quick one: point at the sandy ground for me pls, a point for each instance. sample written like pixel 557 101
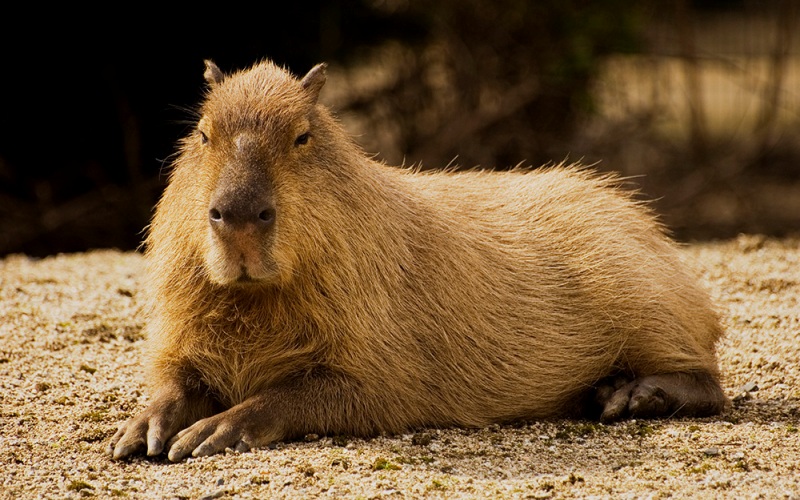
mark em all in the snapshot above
pixel 71 345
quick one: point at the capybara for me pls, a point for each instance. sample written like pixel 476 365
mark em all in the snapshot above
pixel 298 286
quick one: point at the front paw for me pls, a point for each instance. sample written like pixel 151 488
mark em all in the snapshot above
pixel 172 409
pixel 230 429
pixel 146 432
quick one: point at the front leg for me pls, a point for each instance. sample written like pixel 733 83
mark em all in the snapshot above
pixel 320 402
pixel 176 404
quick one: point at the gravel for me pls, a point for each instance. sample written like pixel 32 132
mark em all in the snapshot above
pixel 71 347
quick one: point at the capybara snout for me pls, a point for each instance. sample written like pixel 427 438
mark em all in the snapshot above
pixel 241 210
pixel 241 218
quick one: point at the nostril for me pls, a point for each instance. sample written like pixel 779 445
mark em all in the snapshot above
pixel 267 215
pixel 226 218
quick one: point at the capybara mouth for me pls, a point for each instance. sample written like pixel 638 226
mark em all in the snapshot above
pixel 251 271
pixel 245 278
pixel 239 263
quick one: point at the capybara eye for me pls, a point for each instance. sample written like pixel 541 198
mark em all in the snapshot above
pixel 302 139
pixel 203 137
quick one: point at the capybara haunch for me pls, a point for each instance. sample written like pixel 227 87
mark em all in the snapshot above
pixel 297 286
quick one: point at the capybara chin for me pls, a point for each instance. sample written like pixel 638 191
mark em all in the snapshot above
pixel 297 286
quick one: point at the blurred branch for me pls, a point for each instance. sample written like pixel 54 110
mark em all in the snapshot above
pixel 694 98
pixel 469 123
pixel 787 21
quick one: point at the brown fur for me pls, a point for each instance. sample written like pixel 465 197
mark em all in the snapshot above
pixel 383 298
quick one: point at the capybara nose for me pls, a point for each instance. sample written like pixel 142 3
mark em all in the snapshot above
pixel 237 216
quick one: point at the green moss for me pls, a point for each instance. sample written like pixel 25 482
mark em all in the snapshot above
pixel 642 429
pixel 78 485
pixel 436 485
pixel 571 430
pixel 384 464
pixel 94 416
pixel 741 466
pixel 700 468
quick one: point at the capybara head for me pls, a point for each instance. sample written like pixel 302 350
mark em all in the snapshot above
pixel 252 160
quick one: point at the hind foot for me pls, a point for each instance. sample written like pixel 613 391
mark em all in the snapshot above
pixel 695 394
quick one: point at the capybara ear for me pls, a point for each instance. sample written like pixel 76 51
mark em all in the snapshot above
pixel 314 80
pixel 213 74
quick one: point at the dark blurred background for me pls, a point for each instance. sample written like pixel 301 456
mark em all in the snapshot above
pixel 698 100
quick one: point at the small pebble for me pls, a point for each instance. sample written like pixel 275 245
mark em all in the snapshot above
pixel 712 452
pixel 749 387
pixel 212 496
